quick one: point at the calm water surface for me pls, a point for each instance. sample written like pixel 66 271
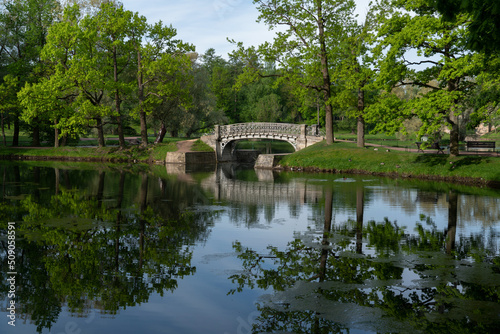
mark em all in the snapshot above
pixel 107 249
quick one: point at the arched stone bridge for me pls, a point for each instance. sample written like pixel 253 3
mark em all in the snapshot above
pixel 225 137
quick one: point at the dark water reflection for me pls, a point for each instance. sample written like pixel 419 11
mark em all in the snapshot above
pixel 105 249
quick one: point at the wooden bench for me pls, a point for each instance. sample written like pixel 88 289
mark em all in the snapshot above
pixel 434 146
pixel 481 144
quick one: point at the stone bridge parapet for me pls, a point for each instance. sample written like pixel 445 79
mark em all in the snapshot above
pixel 224 138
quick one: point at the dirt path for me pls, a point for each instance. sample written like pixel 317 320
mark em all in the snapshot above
pixel 185 145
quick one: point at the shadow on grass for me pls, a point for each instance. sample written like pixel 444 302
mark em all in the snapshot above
pixel 432 159
pixel 467 161
pixel 442 160
pixel 495 183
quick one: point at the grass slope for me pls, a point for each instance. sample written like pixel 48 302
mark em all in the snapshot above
pixel 156 152
pixel 113 154
pixel 346 157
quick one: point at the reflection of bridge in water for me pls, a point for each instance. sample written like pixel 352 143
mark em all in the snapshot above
pixel 224 185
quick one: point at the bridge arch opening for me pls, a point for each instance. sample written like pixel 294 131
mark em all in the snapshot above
pixel 254 147
pixel 266 146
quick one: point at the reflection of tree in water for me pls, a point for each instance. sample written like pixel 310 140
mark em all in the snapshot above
pixel 479 210
pixel 99 250
pixel 399 282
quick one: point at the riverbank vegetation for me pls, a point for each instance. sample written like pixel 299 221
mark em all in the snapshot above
pixel 106 154
pixel 131 153
pixel 348 158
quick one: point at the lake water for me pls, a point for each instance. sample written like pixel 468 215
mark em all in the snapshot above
pixel 130 249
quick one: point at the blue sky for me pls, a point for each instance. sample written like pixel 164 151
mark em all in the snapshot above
pixel 208 23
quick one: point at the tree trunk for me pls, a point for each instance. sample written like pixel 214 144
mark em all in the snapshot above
pixel 100 132
pixel 142 113
pixel 143 200
pixel 15 136
pixel 327 227
pixel 452 221
pixel 36 180
pixel 100 187
pixel 360 209
pixel 56 134
pixel 64 140
pixel 361 120
pixel 452 118
pixel 118 102
pixel 454 133
pixel 161 134
pixel 174 133
pixel 121 137
pixel 121 187
pixel 36 134
pixel 58 178
pixel 4 139
pixel 144 128
pixel 326 77
pixel 361 131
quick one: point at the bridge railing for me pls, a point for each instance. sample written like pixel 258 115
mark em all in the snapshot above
pixel 257 128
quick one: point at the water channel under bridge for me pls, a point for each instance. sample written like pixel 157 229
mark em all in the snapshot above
pixel 224 138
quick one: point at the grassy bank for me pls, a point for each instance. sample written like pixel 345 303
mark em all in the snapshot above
pixel 346 157
pixel 134 153
pixel 199 146
pixel 111 154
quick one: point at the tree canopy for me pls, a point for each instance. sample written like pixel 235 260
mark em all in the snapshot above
pixel 94 68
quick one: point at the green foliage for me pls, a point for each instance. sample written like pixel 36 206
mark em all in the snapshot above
pixel 195 110
pixel 484 30
pixel 443 69
pixel 8 101
pixel 93 80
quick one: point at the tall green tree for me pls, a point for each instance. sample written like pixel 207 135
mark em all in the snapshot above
pixel 24 26
pixel 158 57
pixel 442 64
pixel 223 75
pixel 72 49
pixel 357 71
pixel 308 47
pixel 8 101
pixel 50 100
pixel 114 25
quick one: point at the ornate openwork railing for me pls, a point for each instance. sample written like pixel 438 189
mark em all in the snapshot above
pixel 242 129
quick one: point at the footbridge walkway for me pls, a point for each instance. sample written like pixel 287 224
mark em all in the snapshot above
pixel 224 138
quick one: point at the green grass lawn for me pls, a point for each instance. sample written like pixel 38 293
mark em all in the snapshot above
pixel 380 138
pixel 200 146
pixel 347 157
pixel 135 152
